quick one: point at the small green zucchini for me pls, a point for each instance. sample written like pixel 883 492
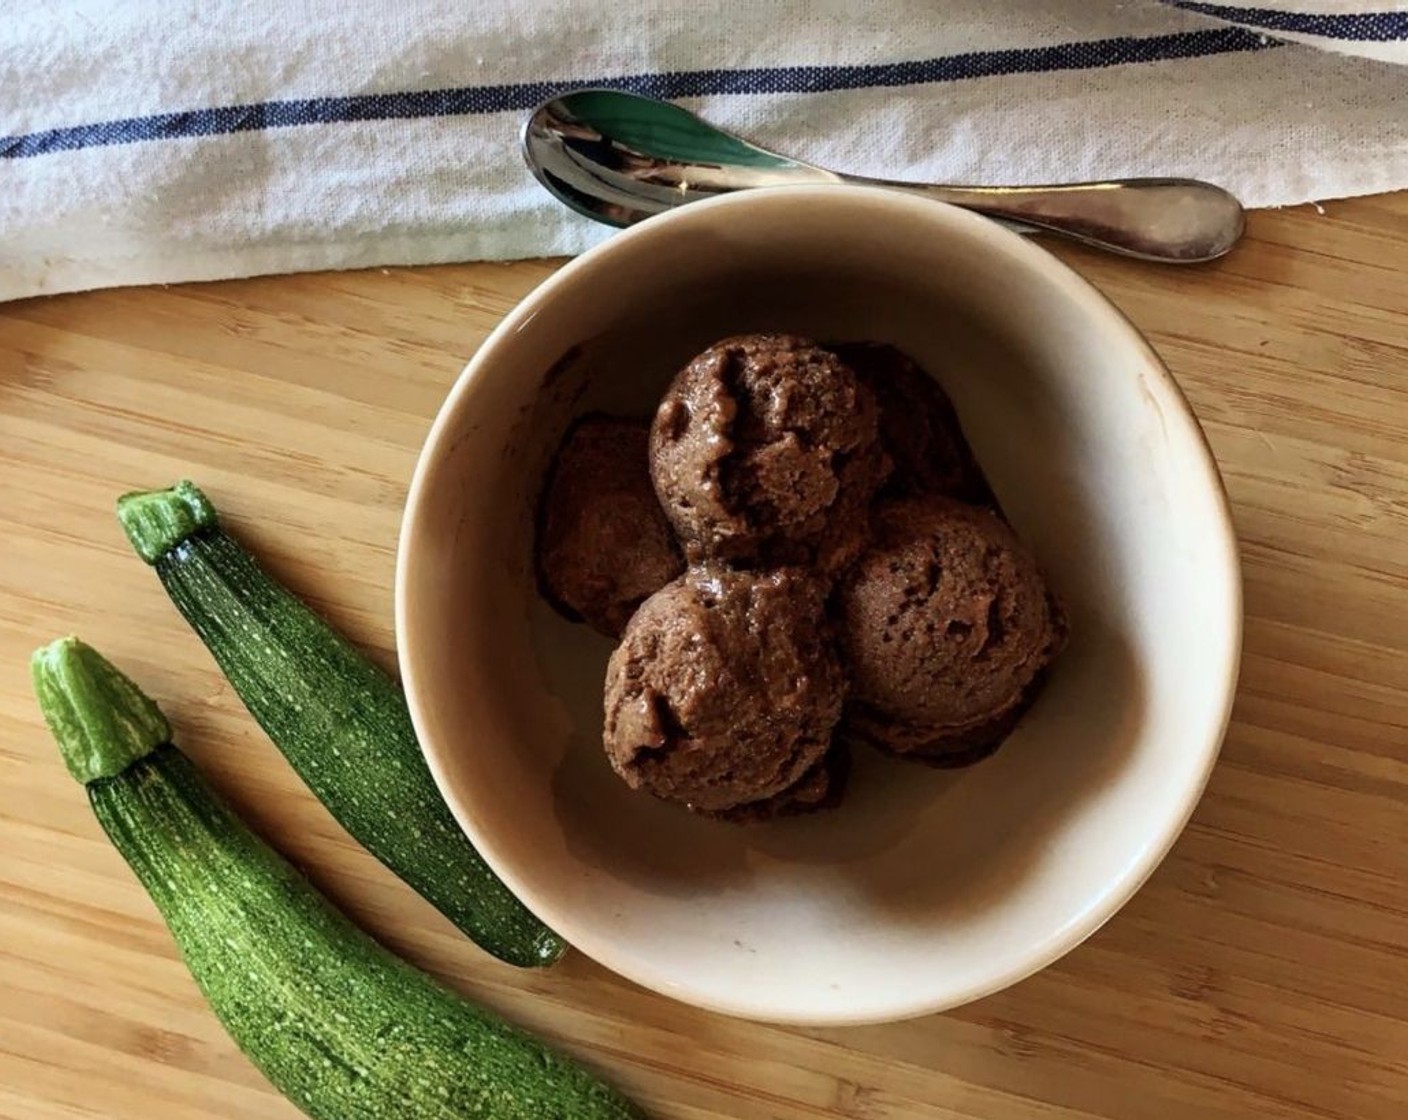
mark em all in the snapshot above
pixel 339 1025
pixel 339 720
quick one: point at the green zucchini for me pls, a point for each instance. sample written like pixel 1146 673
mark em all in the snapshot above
pixel 339 720
pixel 339 1025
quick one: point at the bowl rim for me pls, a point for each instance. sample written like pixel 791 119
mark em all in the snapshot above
pixel 1094 305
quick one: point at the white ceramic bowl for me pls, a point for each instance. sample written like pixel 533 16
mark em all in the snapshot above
pixel 926 888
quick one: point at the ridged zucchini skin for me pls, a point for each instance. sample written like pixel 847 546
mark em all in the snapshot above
pixel 340 721
pixel 342 1027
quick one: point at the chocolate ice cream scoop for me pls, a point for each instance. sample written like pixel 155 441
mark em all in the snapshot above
pixel 918 426
pixel 945 626
pixel 725 688
pixel 765 452
pixel 604 545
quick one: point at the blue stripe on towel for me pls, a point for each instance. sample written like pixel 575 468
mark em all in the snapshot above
pixel 1361 27
pixel 686 83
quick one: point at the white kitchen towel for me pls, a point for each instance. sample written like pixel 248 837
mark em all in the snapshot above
pixel 165 140
pixel 1359 27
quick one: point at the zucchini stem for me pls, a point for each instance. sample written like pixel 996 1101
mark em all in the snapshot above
pixel 102 721
pixel 156 521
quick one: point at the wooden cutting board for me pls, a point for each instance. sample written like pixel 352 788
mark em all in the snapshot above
pixel 1263 971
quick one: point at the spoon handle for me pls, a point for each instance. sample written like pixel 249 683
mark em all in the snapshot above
pixel 1171 220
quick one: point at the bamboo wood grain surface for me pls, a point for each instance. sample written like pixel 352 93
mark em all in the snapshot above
pixel 1262 972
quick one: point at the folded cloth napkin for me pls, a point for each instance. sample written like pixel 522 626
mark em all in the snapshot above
pixel 163 140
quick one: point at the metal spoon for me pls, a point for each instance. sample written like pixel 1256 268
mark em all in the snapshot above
pixel 619 158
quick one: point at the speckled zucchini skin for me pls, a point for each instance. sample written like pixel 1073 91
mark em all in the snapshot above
pixel 339 720
pixel 342 1027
